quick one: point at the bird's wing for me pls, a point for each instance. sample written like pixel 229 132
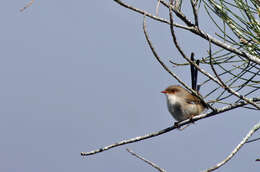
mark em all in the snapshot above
pixel 192 100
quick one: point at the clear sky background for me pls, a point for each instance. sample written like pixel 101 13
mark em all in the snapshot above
pixel 79 75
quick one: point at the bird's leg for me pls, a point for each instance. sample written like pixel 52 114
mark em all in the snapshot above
pixel 185 126
pixel 176 124
pixel 191 119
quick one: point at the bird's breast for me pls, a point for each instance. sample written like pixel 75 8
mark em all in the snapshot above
pixel 175 107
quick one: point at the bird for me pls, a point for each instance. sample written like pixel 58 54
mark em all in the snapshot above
pixel 182 104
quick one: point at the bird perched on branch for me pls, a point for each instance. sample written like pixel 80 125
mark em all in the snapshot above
pixel 181 103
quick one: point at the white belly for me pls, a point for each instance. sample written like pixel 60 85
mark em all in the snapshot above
pixel 176 109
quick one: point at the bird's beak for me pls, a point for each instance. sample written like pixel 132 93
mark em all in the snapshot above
pixel 164 92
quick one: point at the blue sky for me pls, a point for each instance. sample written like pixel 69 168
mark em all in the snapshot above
pixel 79 75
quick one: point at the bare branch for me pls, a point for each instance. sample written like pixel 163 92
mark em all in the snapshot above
pixel 149 14
pixel 177 12
pixel 157 8
pixel 221 44
pixel 180 124
pixel 195 12
pixel 237 148
pixel 253 140
pixel 132 140
pixel 146 161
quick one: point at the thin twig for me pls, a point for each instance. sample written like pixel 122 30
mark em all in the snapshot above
pixel 253 140
pixel 145 160
pixel 237 148
pixel 157 8
pixel 177 12
pixel 221 44
pixel 195 12
pixel 26 6
pixel 149 14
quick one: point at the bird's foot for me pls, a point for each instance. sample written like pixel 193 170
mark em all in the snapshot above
pixel 176 124
pixel 192 120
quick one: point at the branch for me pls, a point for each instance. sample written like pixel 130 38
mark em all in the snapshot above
pixel 132 140
pixel 157 8
pixel 26 6
pixel 146 161
pixel 199 32
pixel 237 148
pixel 177 12
pixel 149 14
pixel 253 140
pixel 180 124
pixel 225 86
pixel 195 12
pixel 227 47
pixel 194 29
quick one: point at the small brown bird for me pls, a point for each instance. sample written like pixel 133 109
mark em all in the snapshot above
pixel 181 104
